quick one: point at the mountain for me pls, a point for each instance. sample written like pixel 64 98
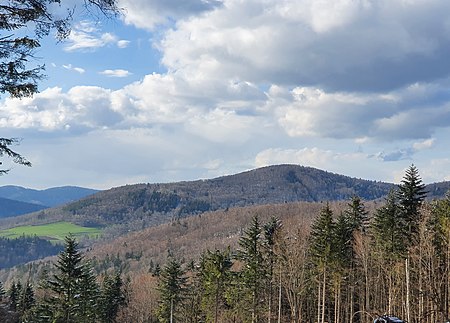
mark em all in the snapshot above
pixel 141 205
pixel 13 208
pixel 133 207
pixel 48 197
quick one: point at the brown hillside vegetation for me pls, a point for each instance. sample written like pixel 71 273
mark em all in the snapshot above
pixel 188 238
pixel 133 207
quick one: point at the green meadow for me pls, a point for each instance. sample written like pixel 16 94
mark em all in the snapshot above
pixel 55 232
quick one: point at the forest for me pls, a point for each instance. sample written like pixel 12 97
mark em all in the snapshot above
pixel 347 267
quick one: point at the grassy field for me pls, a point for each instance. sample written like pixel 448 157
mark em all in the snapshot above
pixel 54 231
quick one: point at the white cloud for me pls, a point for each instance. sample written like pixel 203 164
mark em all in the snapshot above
pixel 344 45
pixel 148 14
pixel 72 68
pixel 123 43
pixel 86 36
pixel 425 144
pixel 116 73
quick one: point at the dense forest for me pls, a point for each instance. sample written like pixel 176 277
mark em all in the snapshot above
pixel 346 267
pixel 25 249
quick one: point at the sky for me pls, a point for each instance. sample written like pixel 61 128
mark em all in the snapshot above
pixel 177 90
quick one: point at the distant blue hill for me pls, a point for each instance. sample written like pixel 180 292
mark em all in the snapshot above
pixel 17 200
pixel 10 208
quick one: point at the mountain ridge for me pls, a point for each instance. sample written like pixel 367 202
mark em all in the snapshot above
pixel 141 205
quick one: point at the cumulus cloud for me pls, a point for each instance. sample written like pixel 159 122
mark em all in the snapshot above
pixel 148 14
pixel 343 46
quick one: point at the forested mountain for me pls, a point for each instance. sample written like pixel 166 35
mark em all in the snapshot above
pixel 49 197
pixel 329 261
pixel 150 204
pixel 141 205
pixel 12 207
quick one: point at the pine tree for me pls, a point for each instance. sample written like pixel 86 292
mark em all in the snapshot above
pixel 26 303
pixel 13 296
pixel 389 228
pixel 411 194
pixel 215 275
pixel 2 291
pixel 322 248
pixel 254 272
pixel 88 295
pixel 70 296
pixel 112 297
pixel 171 287
pixel 271 231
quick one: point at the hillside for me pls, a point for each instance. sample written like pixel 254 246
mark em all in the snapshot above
pixel 10 207
pixel 141 205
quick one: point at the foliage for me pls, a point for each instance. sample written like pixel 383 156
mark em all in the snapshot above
pixel 24 249
pixel 5 143
pixel 172 286
pixel 411 194
pixel 215 275
pixel 112 297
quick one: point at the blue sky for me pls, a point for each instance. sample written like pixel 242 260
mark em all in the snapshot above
pixel 188 89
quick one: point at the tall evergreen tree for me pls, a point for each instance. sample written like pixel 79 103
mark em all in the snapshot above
pixel 411 194
pixel 389 228
pixel 112 297
pixel 88 295
pixel 271 230
pixel 69 298
pixel 322 248
pixel 26 303
pixel 172 285
pixel 215 274
pixel 254 272
pixel 13 296
pixel 2 291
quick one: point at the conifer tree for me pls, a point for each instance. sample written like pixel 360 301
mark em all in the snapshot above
pixel 271 230
pixel 26 303
pixel 254 272
pixel 215 274
pixel 2 291
pixel 13 296
pixel 389 228
pixel 322 250
pixel 112 297
pixel 69 298
pixel 88 295
pixel 171 287
pixel 411 194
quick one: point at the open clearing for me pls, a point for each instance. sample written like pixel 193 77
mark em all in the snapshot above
pixel 55 232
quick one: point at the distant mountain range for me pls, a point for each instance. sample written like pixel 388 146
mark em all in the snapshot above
pixel 16 200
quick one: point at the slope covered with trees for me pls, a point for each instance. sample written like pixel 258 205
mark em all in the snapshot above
pixel 332 262
pixel 141 205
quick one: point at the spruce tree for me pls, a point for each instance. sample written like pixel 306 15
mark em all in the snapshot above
pixel 13 296
pixel 69 300
pixel 271 231
pixel 389 228
pixel 2 291
pixel 171 287
pixel 215 275
pixel 26 303
pixel 88 295
pixel 254 272
pixel 322 249
pixel 411 194
pixel 112 297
